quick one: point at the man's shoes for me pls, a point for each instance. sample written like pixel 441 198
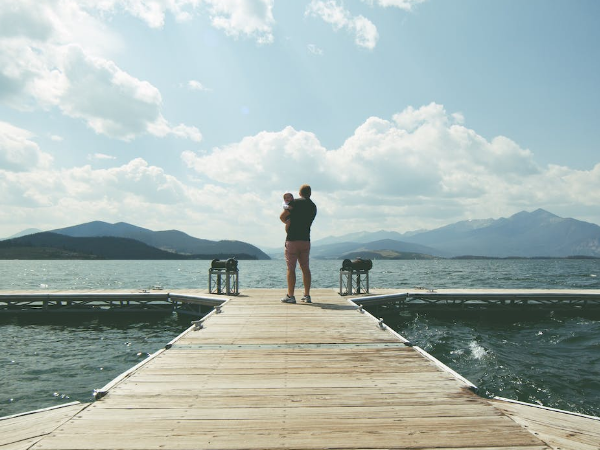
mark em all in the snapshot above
pixel 306 299
pixel 288 299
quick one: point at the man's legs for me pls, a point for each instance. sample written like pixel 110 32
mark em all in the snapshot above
pixel 291 258
pixel 291 281
pixel 303 259
pixel 306 279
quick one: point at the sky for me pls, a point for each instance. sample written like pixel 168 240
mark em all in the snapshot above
pixel 197 115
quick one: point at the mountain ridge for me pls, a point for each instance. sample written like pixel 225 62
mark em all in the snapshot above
pixel 171 244
pixel 169 240
pixel 525 234
pixel 534 234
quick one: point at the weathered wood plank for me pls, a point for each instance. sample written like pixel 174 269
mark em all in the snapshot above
pixel 25 429
pixel 559 429
pixel 266 375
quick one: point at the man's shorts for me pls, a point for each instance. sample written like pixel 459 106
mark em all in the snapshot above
pixel 297 251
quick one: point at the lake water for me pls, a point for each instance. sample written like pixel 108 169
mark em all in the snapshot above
pixel 547 358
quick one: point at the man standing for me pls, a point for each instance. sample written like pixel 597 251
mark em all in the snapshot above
pixel 297 242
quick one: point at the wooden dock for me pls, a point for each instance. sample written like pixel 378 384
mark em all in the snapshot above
pixel 197 302
pixel 266 375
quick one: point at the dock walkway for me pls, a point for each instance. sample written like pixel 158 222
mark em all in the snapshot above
pixel 266 375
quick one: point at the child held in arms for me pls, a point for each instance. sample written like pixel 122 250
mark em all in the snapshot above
pixel 288 198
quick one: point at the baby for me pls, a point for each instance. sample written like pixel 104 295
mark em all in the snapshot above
pixel 287 199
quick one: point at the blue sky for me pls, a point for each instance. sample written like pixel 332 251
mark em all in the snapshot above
pixel 198 114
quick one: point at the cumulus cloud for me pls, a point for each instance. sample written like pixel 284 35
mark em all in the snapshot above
pixel 134 192
pixel 260 160
pixel 152 12
pixel 243 18
pixel 195 85
pixel 42 65
pixel 406 5
pixel 365 32
pixel 100 157
pixel 252 19
pixel 315 50
pixel 18 151
pixel 423 168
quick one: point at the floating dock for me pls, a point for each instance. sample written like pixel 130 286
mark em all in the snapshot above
pixel 472 299
pixel 191 301
pixel 259 374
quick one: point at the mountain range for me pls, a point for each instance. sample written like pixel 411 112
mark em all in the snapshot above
pixel 525 235
pixel 124 241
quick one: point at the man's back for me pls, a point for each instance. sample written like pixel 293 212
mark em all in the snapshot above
pixel 301 218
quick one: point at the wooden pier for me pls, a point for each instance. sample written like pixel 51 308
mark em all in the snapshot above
pixel 191 301
pixel 261 374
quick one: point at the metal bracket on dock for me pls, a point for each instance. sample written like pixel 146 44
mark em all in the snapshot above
pixel 197 325
pixel 360 309
pixel 381 324
pixel 98 394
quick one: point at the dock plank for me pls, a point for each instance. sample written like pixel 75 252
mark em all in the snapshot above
pixel 559 429
pixel 267 375
pixel 23 430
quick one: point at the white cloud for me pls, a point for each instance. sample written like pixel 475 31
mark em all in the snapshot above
pixel 43 65
pixel 243 18
pixel 312 48
pixel 422 169
pixel 406 5
pixel 81 194
pixel 18 151
pixel 152 12
pixel 195 85
pixel 364 30
pixel 100 157
pixel 261 160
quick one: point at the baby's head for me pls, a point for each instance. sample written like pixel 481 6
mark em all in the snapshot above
pixel 287 197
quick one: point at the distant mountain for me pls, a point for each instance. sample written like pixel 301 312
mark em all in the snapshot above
pixel 361 237
pixel 350 249
pixel 26 232
pixel 525 234
pixel 388 254
pixel 170 241
pixel 48 245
